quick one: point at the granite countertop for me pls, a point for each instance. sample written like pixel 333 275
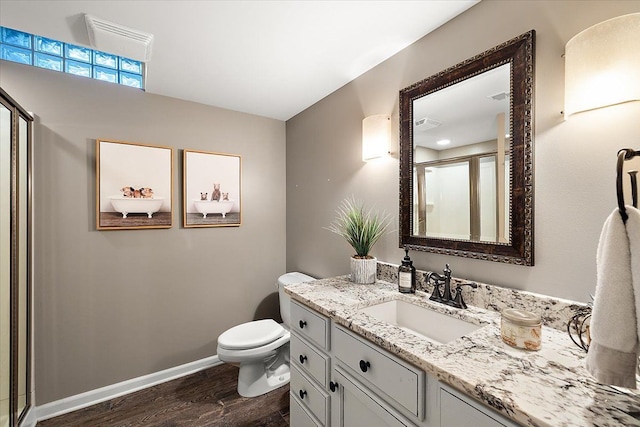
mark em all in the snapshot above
pixel 549 387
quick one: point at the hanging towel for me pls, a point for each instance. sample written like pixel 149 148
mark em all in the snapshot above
pixel 615 326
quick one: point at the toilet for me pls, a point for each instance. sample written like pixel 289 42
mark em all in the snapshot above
pixel 261 347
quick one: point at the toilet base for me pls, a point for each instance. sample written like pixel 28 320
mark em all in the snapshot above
pixel 254 380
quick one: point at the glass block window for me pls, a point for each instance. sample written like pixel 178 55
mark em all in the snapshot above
pixel 47 61
pixel 45 45
pixel 29 49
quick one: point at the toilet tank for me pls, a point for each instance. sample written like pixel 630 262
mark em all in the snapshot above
pixel 289 279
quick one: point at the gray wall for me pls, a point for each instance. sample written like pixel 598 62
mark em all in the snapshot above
pixel 114 305
pixel 574 159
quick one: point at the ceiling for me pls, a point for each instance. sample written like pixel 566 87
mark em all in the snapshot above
pixel 269 58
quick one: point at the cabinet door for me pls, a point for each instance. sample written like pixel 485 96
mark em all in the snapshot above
pixel 358 406
pixel 299 416
pixel 458 410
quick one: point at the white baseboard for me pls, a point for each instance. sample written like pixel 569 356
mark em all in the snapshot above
pixel 83 400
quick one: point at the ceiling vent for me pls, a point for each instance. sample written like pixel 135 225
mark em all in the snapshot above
pixel 118 40
pixel 499 96
pixel 426 124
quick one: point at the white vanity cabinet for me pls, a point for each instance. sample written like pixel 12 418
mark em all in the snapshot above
pixel 340 379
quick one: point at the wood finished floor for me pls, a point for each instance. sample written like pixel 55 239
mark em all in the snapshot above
pixel 206 398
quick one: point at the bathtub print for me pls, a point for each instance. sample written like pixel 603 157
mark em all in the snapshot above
pixel 212 189
pixel 134 186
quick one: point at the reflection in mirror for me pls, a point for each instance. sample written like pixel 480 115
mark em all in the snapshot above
pixel 466 184
pixel 461 158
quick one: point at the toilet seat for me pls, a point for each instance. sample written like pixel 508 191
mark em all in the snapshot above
pixel 256 353
pixel 251 335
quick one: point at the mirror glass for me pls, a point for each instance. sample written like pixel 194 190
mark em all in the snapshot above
pixel 465 157
pixel 461 146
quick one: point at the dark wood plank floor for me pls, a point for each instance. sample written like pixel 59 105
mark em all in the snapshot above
pixel 206 398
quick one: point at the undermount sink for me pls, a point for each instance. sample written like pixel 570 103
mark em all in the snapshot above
pixel 421 321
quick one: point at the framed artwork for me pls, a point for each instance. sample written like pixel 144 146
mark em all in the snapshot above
pixel 212 189
pixel 134 186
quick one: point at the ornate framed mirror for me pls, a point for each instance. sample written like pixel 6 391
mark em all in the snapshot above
pixel 466 157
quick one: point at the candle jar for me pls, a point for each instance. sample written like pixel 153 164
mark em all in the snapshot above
pixel 521 329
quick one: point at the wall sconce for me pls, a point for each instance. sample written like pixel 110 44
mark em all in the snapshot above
pixel 602 65
pixel 376 135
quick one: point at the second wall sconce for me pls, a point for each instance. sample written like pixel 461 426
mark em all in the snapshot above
pixel 376 136
pixel 602 65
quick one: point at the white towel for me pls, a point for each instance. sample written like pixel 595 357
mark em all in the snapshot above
pixel 615 327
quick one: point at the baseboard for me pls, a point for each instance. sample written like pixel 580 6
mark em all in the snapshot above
pixel 83 400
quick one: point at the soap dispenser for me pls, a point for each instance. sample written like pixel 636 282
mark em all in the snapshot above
pixel 407 275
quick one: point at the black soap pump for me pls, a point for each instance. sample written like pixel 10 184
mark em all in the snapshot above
pixel 407 275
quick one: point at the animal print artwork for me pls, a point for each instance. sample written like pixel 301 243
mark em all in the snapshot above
pixel 216 193
pixel 140 193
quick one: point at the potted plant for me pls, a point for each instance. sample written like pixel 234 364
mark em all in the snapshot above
pixel 361 229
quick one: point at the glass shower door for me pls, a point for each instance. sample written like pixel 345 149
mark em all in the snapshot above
pixel 15 238
pixel 5 264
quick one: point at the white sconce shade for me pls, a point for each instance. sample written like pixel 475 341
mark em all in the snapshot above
pixel 376 135
pixel 602 65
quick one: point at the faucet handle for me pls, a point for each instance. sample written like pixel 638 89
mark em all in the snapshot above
pixel 458 301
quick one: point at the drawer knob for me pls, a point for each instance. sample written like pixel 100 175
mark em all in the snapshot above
pixel 333 386
pixel 302 359
pixel 302 324
pixel 364 366
pixel 302 394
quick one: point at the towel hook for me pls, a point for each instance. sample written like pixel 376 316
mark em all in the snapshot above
pixel 626 154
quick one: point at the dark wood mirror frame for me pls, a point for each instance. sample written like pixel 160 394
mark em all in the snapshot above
pixel 520 53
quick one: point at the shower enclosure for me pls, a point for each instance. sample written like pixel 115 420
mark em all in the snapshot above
pixel 15 260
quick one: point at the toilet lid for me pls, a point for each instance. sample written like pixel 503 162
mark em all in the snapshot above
pixel 251 334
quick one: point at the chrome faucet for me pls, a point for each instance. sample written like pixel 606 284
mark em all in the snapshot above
pixel 445 280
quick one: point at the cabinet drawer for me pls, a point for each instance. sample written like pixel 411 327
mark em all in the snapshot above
pixel 311 361
pixel 400 381
pixel 310 324
pixel 316 400
pixel 299 416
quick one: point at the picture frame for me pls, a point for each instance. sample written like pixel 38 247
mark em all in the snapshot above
pixel 134 185
pixel 212 189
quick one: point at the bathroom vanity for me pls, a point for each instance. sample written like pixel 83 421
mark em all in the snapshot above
pixel 366 355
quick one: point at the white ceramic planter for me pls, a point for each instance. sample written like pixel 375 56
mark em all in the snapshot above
pixel 363 271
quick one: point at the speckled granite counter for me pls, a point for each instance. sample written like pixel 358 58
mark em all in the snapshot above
pixel 549 387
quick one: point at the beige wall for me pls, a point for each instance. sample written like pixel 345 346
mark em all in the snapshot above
pixel 574 160
pixel 114 305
